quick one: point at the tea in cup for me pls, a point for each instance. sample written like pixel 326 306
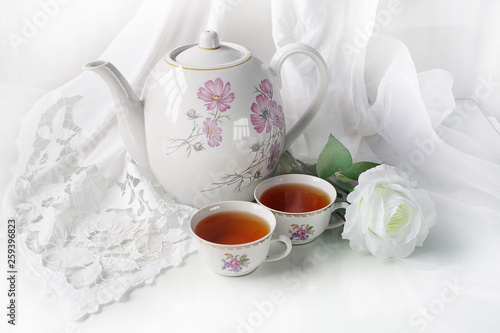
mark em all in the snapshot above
pixel 234 237
pixel 302 204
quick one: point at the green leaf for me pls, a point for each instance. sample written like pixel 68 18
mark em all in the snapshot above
pixel 341 177
pixel 289 164
pixel 357 169
pixel 334 157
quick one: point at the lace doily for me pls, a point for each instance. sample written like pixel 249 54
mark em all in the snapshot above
pixel 90 234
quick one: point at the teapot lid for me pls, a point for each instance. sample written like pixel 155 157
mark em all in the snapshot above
pixel 208 54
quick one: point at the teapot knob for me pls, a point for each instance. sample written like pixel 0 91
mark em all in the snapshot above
pixel 209 40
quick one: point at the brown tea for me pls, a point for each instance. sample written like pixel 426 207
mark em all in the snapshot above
pixel 232 228
pixel 294 198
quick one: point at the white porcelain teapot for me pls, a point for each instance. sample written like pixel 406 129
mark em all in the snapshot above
pixel 211 124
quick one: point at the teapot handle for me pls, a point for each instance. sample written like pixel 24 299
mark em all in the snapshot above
pixel 321 89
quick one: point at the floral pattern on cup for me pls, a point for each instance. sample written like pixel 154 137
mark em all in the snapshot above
pixel 267 119
pixel 235 263
pixel 302 232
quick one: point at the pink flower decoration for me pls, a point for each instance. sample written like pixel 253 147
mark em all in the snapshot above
pixel 301 233
pixel 235 265
pixel 274 154
pixel 213 131
pixel 276 114
pixel 266 87
pixel 216 94
pixel 260 118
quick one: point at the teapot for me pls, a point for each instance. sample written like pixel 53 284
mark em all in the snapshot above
pixel 210 126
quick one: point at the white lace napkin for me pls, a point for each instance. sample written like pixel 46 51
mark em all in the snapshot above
pixel 90 224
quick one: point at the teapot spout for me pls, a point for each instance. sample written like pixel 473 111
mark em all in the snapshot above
pixel 129 110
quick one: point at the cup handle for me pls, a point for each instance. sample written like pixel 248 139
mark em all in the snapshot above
pixel 336 221
pixel 321 88
pixel 288 243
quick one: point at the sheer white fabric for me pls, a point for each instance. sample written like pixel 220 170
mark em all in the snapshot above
pixel 93 227
pixel 379 106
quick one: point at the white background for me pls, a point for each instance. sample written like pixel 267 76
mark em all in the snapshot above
pixel 449 285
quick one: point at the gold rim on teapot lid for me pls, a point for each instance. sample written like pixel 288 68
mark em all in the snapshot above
pixel 208 54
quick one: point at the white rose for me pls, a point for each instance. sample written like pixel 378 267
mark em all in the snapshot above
pixel 388 215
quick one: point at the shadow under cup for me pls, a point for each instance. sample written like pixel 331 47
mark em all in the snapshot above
pixel 240 258
pixel 317 197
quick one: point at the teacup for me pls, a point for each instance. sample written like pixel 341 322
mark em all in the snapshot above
pixel 234 237
pixel 302 204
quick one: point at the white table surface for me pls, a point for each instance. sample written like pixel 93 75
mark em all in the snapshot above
pixel 452 284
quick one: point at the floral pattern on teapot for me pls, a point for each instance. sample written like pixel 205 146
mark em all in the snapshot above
pixel 218 98
pixel 267 118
